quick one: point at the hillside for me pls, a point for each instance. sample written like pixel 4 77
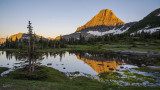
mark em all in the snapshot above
pixel 150 21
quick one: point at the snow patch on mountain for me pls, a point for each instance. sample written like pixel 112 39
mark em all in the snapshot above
pixel 78 32
pixel 114 31
pixel 158 14
pixel 97 33
pixel 119 31
pixel 151 30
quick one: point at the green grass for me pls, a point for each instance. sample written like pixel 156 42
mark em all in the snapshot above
pixel 101 48
pixel 130 47
pixel 80 84
pixel 107 48
pixel 43 73
pixel 14 84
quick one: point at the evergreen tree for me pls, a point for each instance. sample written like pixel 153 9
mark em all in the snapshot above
pixel 30 48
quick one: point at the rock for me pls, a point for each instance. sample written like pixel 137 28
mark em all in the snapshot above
pixel 49 63
pixel 16 63
pixel 143 65
pixel 157 72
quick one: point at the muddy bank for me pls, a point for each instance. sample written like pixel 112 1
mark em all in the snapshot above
pixel 154 67
pixel 129 52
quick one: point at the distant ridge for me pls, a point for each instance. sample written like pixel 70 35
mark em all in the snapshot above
pixel 2 40
pixel 18 35
pixel 24 35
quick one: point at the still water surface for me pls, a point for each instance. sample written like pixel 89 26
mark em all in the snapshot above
pixel 89 63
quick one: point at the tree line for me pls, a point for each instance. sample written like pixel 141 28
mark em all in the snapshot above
pixel 62 43
pixel 111 38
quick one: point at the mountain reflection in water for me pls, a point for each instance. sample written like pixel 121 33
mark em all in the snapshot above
pixel 101 66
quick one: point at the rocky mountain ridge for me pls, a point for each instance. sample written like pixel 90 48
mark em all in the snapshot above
pixel 105 17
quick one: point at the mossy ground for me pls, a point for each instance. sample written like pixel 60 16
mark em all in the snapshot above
pixel 131 77
pixel 139 78
pixel 110 76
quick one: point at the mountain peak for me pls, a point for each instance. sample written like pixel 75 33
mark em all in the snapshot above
pixel 105 17
pixel 106 10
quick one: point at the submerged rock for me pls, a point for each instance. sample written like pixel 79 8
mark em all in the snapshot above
pixel 111 69
pixel 100 64
pixel 121 66
pixel 117 70
pixel 49 63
